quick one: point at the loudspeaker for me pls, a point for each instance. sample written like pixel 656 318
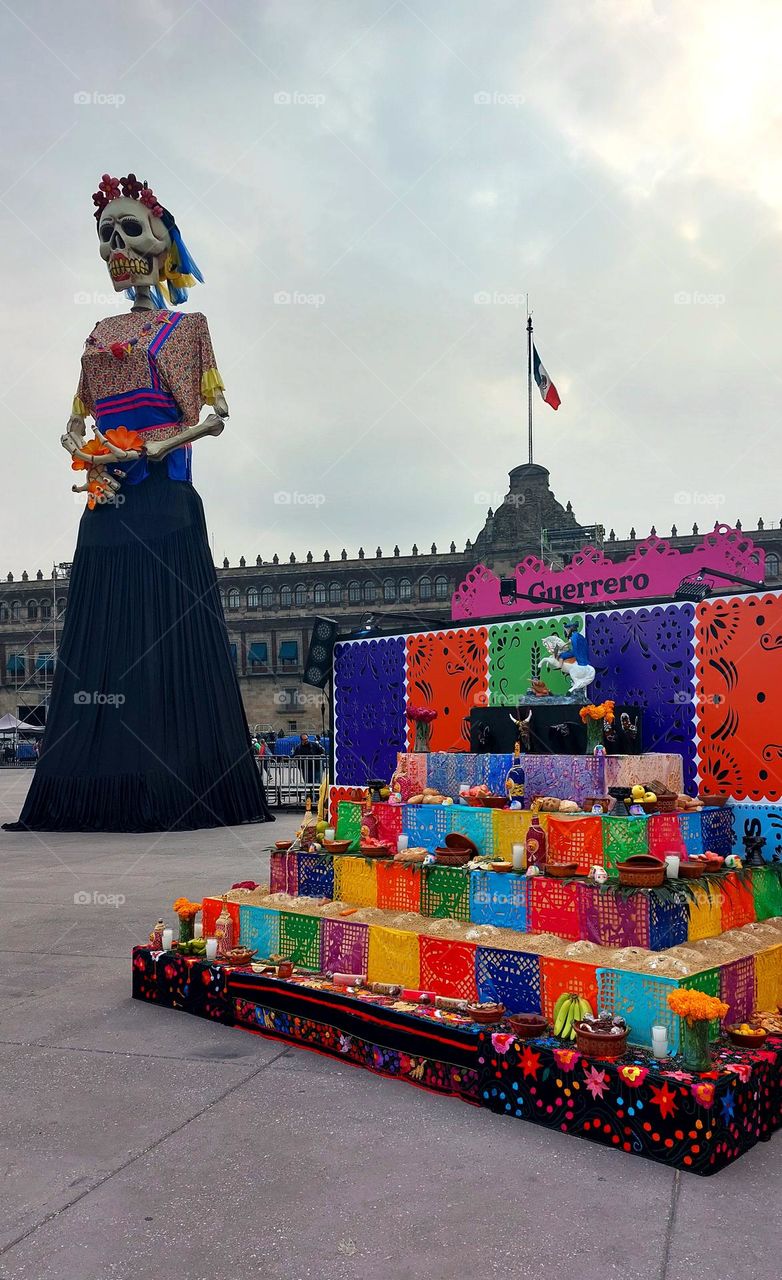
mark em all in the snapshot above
pixel 320 657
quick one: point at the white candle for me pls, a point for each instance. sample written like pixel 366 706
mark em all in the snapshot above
pixel 672 866
pixel 211 948
pixel 660 1042
pixel 328 834
pixel 198 929
pixel 402 843
pixel 517 857
pixel 168 938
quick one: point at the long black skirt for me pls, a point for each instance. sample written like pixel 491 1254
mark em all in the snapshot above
pixel 145 729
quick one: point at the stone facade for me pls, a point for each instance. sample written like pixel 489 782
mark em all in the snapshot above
pixel 270 606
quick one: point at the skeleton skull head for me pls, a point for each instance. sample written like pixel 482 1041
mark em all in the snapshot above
pixel 133 243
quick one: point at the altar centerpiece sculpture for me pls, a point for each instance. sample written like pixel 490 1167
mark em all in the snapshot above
pixel 145 728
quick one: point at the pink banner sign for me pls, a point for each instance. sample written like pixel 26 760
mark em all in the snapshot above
pixel 654 569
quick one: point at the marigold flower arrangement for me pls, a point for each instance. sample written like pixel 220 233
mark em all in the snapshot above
pixel 603 711
pixel 696 1006
pixel 186 909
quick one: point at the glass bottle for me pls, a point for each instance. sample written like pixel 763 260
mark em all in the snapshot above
pixel 535 844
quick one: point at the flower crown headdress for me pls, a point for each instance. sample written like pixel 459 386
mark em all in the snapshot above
pixel 179 271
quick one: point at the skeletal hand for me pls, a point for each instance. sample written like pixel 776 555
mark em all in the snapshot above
pixel 100 485
pixel 74 434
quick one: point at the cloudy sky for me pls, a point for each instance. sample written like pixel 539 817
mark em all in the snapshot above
pixel 371 187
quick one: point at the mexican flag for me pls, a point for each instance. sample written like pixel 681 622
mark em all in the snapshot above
pixel 547 389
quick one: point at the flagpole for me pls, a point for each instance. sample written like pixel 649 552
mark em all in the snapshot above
pixel 529 379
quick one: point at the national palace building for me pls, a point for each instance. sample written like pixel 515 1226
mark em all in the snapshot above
pixel 270 605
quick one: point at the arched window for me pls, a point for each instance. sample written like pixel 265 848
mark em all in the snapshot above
pixel 15 609
pixel 252 598
pixel 405 590
pixel 286 598
pixel 354 593
pixel 299 595
pixel 4 614
pixel 46 610
pixel 389 590
pixel 267 598
pixel 32 610
pixel 335 593
pixel 772 565
pixel 320 593
pixel 223 601
pixel 233 598
pixel 370 592
pixel 425 589
pixel 441 588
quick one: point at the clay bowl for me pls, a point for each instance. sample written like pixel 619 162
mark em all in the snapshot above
pixel 561 869
pixel 283 845
pixel 745 1040
pixel 648 806
pixel 457 843
pixel 452 857
pixel 713 802
pixel 375 851
pixel 690 870
pixel 486 1014
pixel 336 846
pixel 240 955
pixel 501 867
pixel 605 802
pixel 493 802
pixel 600 1044
pixel 527 1025
pixel 641 870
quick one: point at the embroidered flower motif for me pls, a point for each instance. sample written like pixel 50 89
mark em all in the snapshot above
pixel 596 1081
pixel 530 1062
pixel 727 1104
pixel 741 1069
pixel 567 1058
pixel 633 1076
pixel 502 1041
pixel 664 1098
pixel 703 1093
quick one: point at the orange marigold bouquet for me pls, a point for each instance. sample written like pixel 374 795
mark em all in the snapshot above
pixel 186 909
pixel 603 711
pixel 696 1006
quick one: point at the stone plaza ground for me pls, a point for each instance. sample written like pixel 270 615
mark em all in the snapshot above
pixel 138 1143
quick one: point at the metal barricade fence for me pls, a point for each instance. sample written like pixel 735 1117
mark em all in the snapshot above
pixel 289 780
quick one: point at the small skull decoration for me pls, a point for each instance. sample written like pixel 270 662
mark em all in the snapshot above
pixel 133 243
pixel 598 875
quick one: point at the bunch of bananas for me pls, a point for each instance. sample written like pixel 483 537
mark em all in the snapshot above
pixel 569 1010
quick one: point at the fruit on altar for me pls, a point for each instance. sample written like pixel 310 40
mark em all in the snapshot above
pixel 650 798
pixel 638 792
pixel 569 1009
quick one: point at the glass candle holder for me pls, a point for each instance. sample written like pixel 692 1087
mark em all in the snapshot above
pixel 696 1050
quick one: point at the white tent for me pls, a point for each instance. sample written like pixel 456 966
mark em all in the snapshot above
pixel 11 724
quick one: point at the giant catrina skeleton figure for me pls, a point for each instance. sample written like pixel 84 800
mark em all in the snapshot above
pixel 145 729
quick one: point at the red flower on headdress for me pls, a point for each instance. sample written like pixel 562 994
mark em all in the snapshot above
pixel 149 198
pixel 110 187
pixel 131 186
